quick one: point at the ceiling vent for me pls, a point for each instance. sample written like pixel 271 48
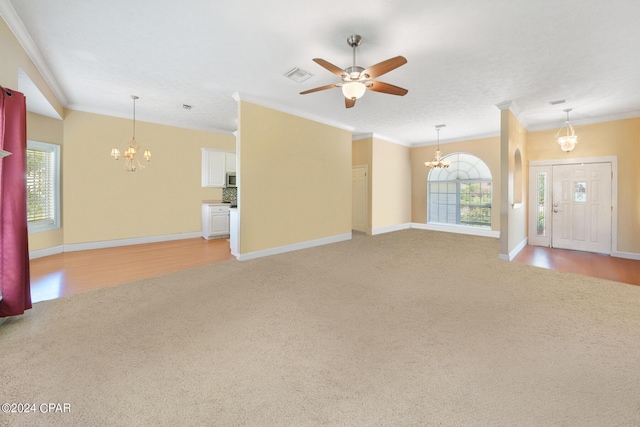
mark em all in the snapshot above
pixel 560 101
pixel 186 107
pixel 297 75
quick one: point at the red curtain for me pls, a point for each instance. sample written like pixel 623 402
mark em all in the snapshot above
pixel 14 248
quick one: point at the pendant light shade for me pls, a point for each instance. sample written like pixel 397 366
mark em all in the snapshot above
pixel 568 141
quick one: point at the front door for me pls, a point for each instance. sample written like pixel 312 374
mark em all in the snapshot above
pixel 581 207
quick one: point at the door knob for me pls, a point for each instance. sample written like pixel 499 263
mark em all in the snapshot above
pixel 555 205
pixel 556 211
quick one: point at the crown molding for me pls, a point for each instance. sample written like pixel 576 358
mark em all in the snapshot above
pixel 589 121
pixel 461 139
pixel 238 96
pixel 18 29
pixel 361 136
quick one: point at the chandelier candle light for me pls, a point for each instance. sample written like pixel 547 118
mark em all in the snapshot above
pixel 567 142
pixel 132 163
pixel 438 162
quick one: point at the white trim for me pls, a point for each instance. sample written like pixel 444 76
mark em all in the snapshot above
pixel 518 249
pixel 461 139
pixel 22 35
pixel 588 121
pixel 514 252
pixel 294 247
pixel 127 242
pixel 46 252
pixel 390 228
pixel 471 231
pixel 513 107
pixel 289 110
pixel 360 136
pixel 627 255
pixel 42 226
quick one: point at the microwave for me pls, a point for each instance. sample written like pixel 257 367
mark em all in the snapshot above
pixel 231 180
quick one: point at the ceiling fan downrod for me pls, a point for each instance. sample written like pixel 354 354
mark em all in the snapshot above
pixel 354 72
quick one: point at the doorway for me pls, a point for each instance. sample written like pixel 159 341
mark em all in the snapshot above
pixel 359 192
pixel 573 204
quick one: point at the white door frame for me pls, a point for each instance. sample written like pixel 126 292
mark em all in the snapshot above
pixel 614 187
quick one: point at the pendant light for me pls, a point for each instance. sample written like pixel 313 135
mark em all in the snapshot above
pixel 567 142
pixel 132 163
pixel 438 162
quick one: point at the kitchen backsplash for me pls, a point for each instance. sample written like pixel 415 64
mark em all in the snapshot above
pixel 230 195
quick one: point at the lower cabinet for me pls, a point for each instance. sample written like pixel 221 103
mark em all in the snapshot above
pixel 215 221
pixel 233 237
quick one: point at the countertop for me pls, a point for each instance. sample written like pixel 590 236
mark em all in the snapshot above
pixel 215 202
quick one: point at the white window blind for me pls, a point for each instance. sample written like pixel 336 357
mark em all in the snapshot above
pixel 42 181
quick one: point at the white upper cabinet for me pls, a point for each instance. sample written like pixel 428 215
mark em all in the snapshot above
pixel 230 160
pixel 215 165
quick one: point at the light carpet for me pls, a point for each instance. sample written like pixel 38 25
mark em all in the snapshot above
pixel 407 328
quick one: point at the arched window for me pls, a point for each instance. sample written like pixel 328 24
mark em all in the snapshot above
pixel 461 193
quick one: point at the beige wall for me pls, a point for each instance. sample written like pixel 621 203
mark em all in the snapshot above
pixel 487 149
pixel 516 202
pixel 104 202
pixel 45 129
pixel 295 179
pixel 14 58
pixel 617 138
pixel 390 184
pixel 362 154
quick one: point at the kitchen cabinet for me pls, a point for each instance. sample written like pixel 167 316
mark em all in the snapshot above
pixel 230 162
pixel 215 166
pixel 215 220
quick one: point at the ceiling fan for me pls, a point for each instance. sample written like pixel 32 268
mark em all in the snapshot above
pixel 357 80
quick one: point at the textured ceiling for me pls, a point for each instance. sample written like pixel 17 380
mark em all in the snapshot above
pixel 464 57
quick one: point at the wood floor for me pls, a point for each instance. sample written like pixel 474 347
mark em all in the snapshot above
pixel 72 272
pixel 585 263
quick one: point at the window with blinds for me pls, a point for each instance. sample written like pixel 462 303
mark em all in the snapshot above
pixel 43 186
pixel 460 194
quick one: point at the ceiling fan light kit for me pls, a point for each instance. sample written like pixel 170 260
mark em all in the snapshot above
pixel 357 80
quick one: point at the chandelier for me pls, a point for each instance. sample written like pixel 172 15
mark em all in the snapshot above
pixel 132 163
pixel 437 162
pixel 567 142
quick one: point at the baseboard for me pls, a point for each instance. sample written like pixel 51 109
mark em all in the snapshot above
pixel 518 248
pixel 46 252
pixel 390 228
pixel 628 255
pixel 294 247
pixel 483 232
pixel 126 242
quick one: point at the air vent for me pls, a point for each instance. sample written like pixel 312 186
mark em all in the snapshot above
pixel 560 101
pixel 297 75
pixel 186 107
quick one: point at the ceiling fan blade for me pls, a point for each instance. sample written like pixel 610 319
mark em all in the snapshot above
pixel 348 102
pixel 386 88
pixel 317 89
pixel 384 67
pixel 329 66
